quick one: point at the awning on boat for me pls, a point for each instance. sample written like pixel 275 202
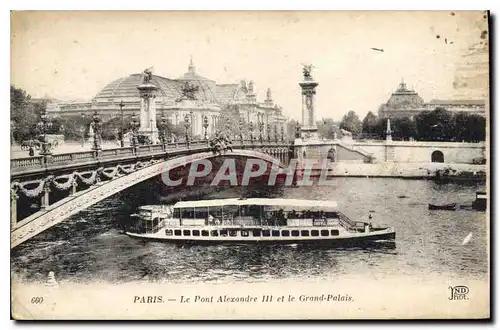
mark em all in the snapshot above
pixel 297 203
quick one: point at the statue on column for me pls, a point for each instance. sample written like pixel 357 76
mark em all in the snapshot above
pixel 147 76
pixel 306 71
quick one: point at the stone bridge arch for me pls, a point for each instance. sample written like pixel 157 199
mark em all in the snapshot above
pixel 63 209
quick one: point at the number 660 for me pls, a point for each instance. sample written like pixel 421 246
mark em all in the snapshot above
pixel 37 300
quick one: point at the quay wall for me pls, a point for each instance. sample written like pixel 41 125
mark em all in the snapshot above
pixel 399 170
pixel 351 151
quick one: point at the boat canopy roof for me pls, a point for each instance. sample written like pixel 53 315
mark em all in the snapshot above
pixel 283 202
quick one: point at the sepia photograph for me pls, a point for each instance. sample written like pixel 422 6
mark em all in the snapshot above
pixel 250 165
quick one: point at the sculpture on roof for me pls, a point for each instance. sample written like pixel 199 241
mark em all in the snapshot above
pixel 147 75
pixel 250 87
pixel 244 87
pixel 188 91
pixel 306 71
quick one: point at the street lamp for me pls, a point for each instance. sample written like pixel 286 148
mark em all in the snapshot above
pixel 205 126
pixel 121 105
pixel 240 128
pixel 42 127
pixel 151 125
pixel 297 130
pixel 261 127
pixel 82 129
pixel 163 128
pixel 134 126
pixel 250 128
pixel 97 128
pixel 186 124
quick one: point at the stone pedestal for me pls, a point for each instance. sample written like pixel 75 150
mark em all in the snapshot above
pixel 309 130
pixel 147 126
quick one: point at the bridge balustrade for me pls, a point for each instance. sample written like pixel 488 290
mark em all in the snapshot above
pixel 39 162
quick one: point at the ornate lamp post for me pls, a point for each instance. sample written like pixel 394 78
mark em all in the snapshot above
pixel 42 127
pixel 134 126
pixel 82 130
pixel 250 128
pixel 240 128
pixel 261 127
pixel 97 128
pixel 186 125
pixel 205 126
pixel 121 105
pixel 163 128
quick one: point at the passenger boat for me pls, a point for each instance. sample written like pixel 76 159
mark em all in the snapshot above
pixel 254 221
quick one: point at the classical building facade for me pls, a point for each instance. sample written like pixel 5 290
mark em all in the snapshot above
pixel 405 102
pixel 190 95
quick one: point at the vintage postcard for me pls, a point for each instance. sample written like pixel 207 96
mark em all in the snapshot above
pixel 250 165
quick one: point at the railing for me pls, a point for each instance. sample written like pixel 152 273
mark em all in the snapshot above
pixel 39 162
pixel 350 225
pixel 27 162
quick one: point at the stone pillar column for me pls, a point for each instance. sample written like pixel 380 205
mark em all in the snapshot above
pixel 147 92
pixel 13 208
pixel 308 129
pixel 45 198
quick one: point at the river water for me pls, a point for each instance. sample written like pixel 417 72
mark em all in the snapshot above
pixel 90 246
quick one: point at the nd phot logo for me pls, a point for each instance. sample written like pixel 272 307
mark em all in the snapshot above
pixel 458 292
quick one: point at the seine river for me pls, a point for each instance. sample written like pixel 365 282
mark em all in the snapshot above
pixel 90 246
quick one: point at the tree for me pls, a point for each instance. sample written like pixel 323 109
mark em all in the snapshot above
pixel 23 113
pixel 369 123
pixel 291 128
pixel 403 128
pixel 351 123
pixel 327 128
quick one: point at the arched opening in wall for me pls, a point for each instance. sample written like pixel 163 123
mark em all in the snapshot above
pixel 331 155
pixel 437 157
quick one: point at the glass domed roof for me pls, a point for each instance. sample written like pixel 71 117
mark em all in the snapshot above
pixel 127 88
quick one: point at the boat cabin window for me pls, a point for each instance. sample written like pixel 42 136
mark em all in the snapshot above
pixel 233 233
pixel 168 232
pixel 186 232
pixel 295 233
pixel 214 233
pixel 256 233
pixel 266 233
pixel 204 233
pixel 304 233
pixel 285 233
pixel 223 232
pixel 177 232
pixel 276 233
pixel 314 232
pixel 335 232
pixel 325 233
pixel 245 233
pixel 196 233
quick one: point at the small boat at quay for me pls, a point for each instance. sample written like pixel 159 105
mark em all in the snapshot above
pixel 445 207
pixel 254 221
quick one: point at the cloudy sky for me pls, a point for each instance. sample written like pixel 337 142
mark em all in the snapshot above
pixel 72 55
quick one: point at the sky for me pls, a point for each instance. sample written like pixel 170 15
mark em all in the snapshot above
pixel 73 55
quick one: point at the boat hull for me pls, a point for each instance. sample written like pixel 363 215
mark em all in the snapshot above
pixel 355 240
